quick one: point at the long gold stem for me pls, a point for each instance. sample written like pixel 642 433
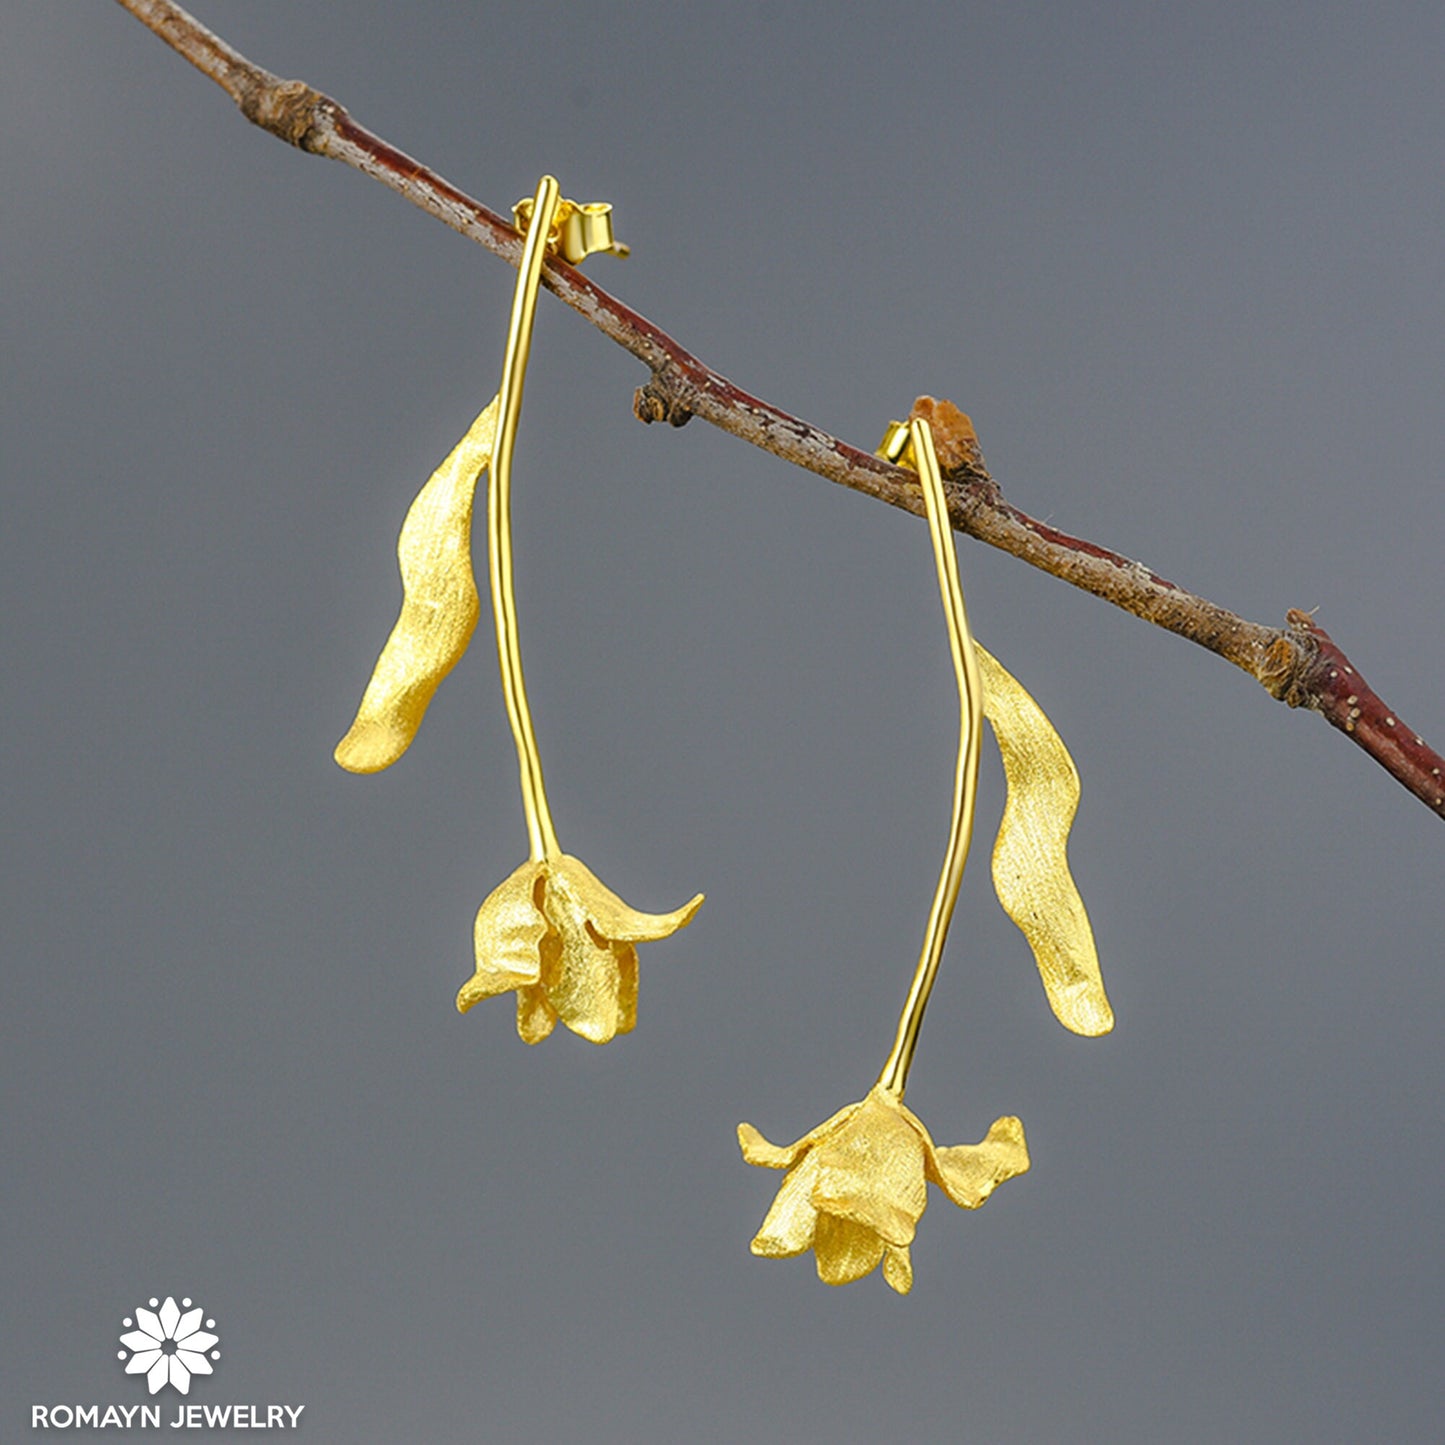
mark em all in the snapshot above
pixel 894 1077
pixel 541 836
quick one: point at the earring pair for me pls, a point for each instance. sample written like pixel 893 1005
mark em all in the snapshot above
pixel 565 944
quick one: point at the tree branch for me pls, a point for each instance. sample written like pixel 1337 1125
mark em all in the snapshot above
pixel 1298 664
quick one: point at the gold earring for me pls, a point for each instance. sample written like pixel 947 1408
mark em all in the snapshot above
pixel 552 932
pixel 857 1185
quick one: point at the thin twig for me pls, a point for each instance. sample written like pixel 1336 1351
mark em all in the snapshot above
pixel 1298 664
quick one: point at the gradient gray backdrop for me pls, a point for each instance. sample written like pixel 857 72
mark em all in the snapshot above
pixel 1183 266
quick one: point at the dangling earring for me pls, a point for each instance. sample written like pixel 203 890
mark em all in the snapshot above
pixel 552 932
pixel 857 1185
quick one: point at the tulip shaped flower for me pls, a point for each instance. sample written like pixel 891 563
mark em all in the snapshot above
pixel 559 937
pixel 857 1186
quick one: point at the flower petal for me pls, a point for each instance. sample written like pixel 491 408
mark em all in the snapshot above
pixel 898 1268
pixel 757 1150
pixel 627 987
pixel 508 937
pixel 197 1340
pixel 159 1373
pixel 969 1173
pixel 845 1251
pixel 196 1364
pixel 870 1171
pixel 591 899
pixel 187 1324
pixel 180 1376
pixel 138 1340
pixel 784 1156
pixel 587 989
pixel 439 609
pixel 170 1317
pixel 140 1362
pixel 536 1018
pixel 150 1322
pixel 1030 862
pixel 790 1224
pixel 588 998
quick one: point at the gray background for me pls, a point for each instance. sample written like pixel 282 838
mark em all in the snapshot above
pixel 1185 271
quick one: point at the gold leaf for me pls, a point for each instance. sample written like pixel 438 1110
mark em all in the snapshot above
pixel 439 608
pixel 1030 861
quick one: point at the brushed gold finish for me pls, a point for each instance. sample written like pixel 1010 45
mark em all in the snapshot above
pixel 439 607
pixel 1030 862
pixel 566 944
pixel 856 1186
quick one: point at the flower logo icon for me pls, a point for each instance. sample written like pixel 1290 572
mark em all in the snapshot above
pixel 168 1347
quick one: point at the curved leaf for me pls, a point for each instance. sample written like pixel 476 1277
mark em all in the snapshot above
pixel 439 607
pixel 1030 860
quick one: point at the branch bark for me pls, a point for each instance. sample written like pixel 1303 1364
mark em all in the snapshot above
pixel 1298 664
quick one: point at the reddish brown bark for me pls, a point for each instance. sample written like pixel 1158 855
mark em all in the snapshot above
pixel 1299 664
